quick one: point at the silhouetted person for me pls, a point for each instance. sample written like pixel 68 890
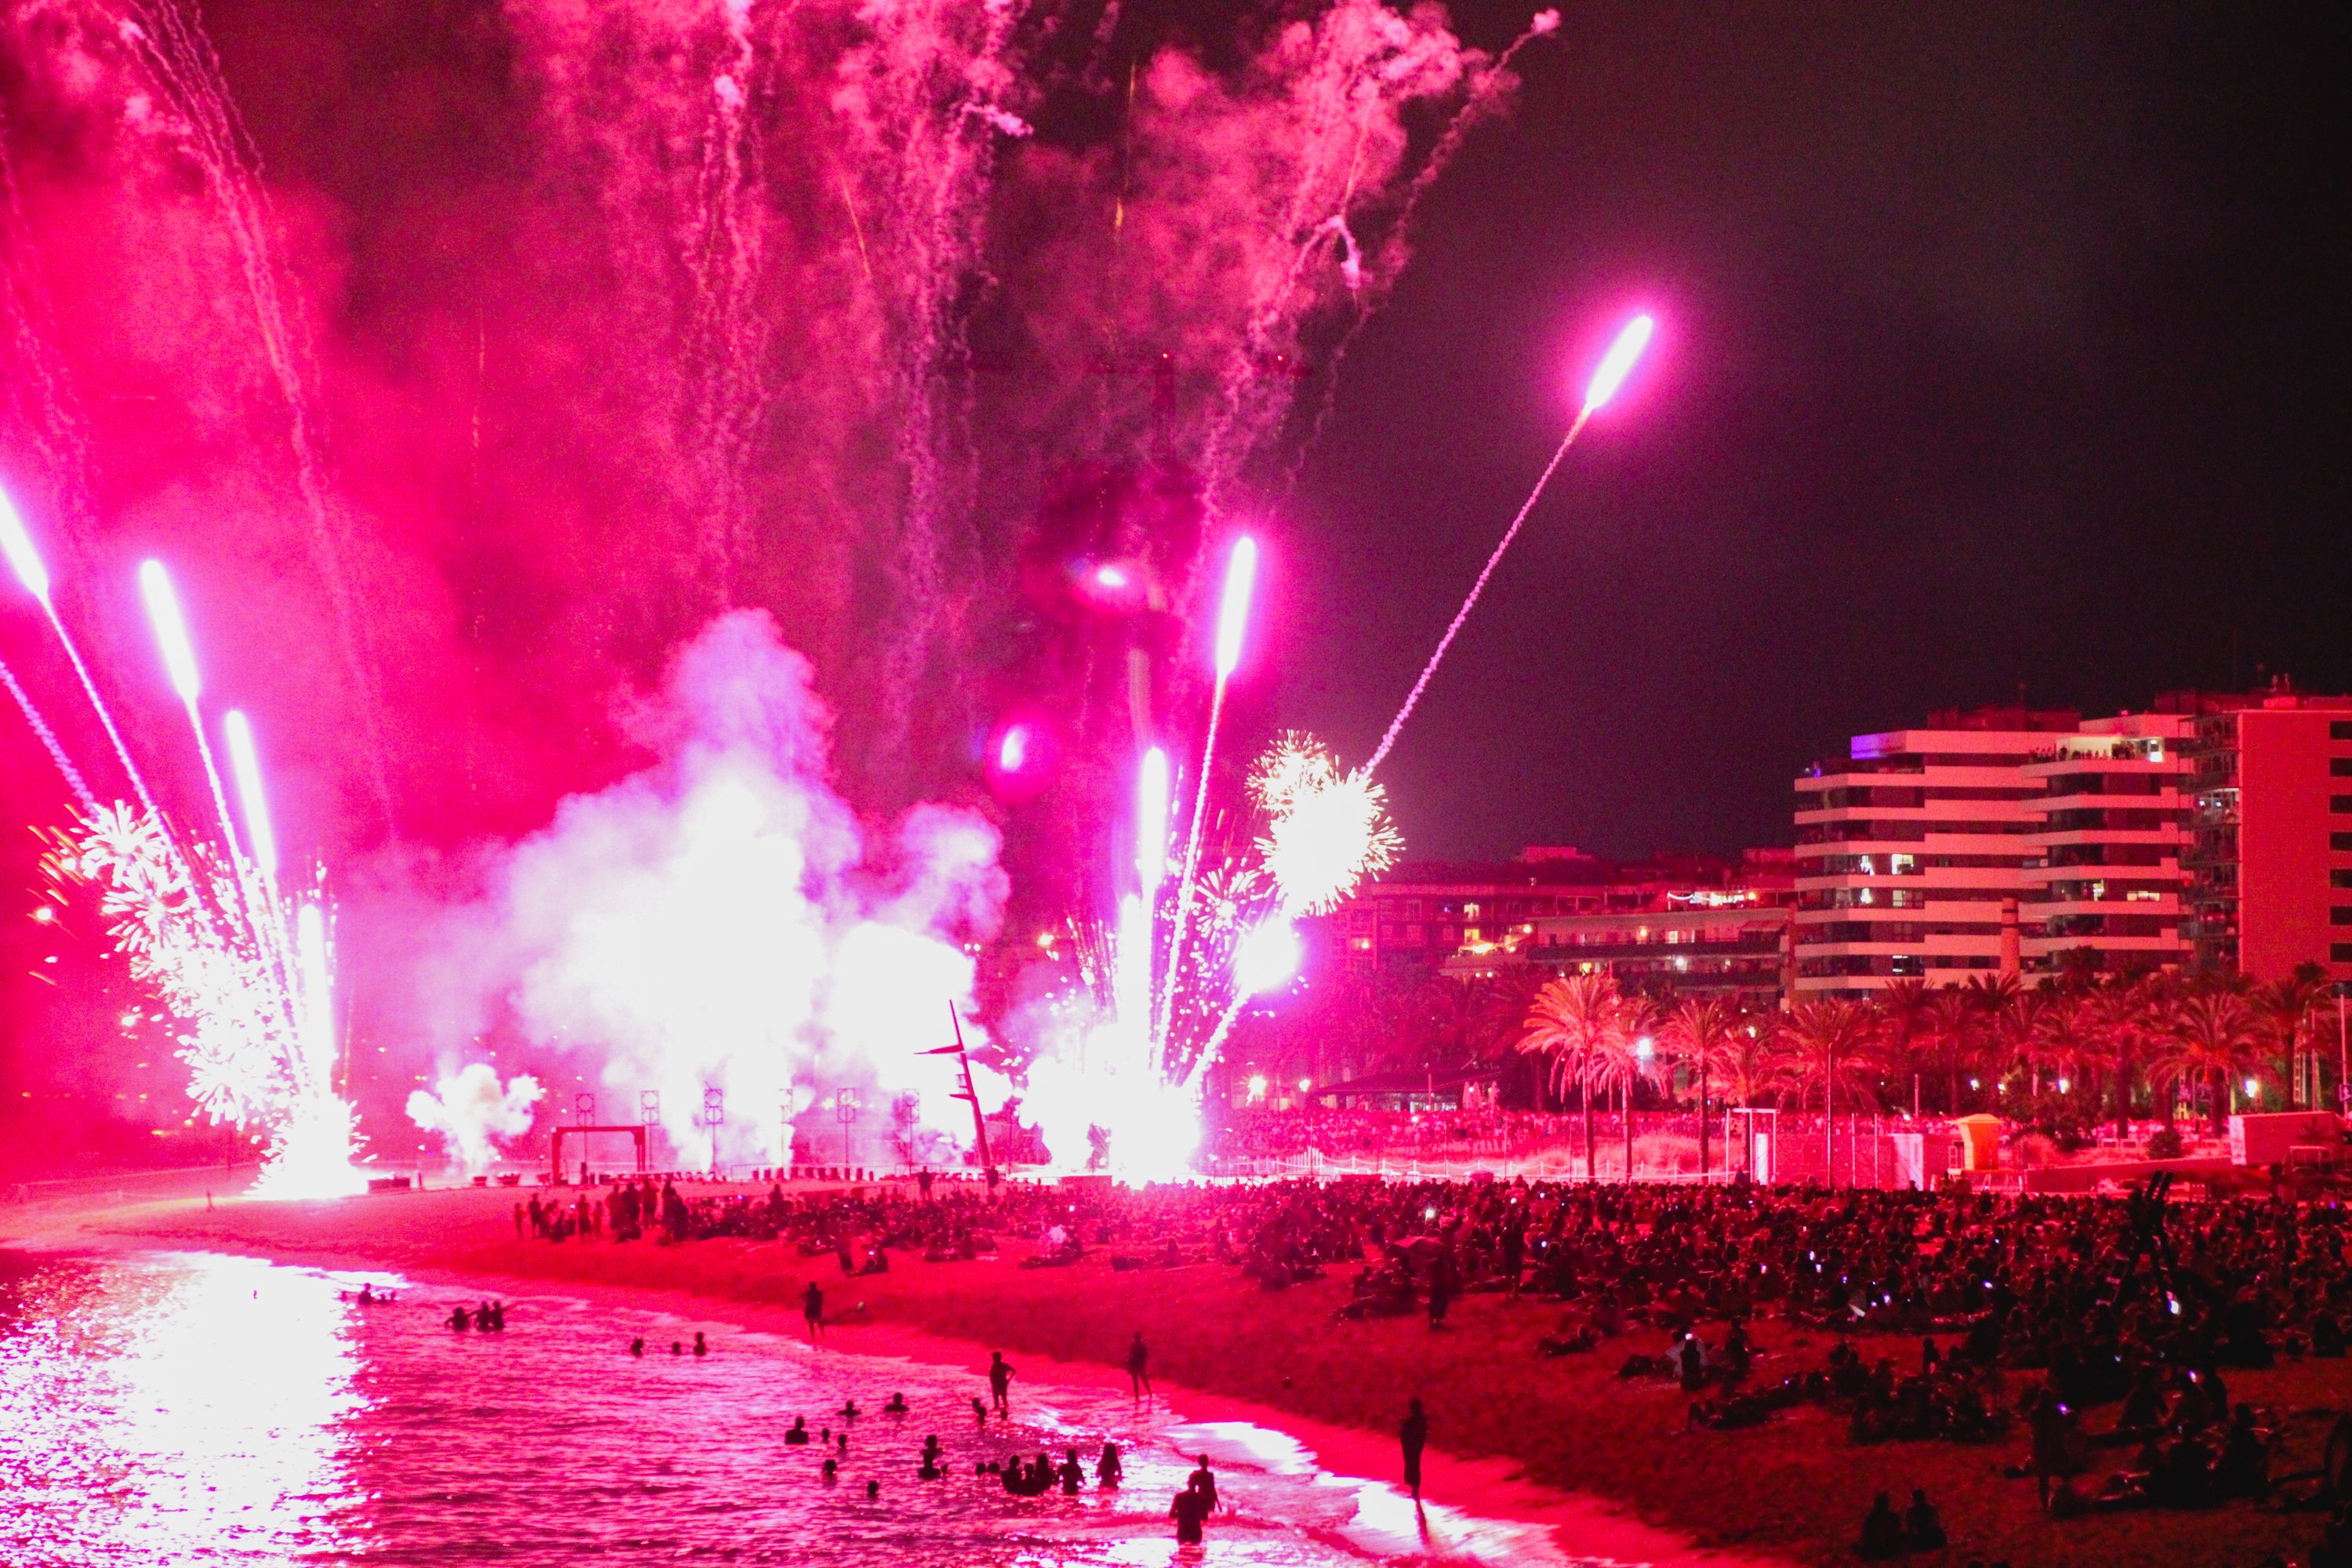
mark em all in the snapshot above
pixel 798 1435
pixel 700 1346
pixel 1071 1474
pixel 461 1320
pixel 1882 1531
pixel 1922 1529
pixel 999 1383
pixel 1413 1437
pixel 637 1346
pixel 1204 1481
pixel 979 1413
pixel 812 1311
pixel 1189 1511
pixel 1109 1471
pixel 1139 1365
pixel 896 1407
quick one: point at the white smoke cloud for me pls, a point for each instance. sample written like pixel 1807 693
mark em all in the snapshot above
pixel 722 919
pixel 471 1109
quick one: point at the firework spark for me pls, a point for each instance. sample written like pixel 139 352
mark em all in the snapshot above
pixel 1325 831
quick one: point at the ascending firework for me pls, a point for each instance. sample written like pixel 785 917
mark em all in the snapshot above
pixel 245 969
pixel 1616 366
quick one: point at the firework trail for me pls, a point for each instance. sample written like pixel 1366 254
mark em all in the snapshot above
pixel 1232 621
pixel 49 739
pixel 1491 92
pixel 1614 367
pixel 169 38
pixel 25 561
pixel 725 338
pixel 922 104
pixel 1347 80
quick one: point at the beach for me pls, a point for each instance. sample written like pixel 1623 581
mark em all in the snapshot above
pixel 1610 1464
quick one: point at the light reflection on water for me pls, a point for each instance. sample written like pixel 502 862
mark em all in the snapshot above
pixel 189 1409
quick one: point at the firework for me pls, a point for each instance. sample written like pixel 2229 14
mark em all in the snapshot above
pixel 1616 366
pixel 1325 831
pixel 208 931
pixel 25 560
pixel 48 738
pixel 1233 623
pixel 246 765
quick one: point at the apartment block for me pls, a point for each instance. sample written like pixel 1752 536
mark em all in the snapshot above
pixel 2102 874
pixel 1727 934
pixel 1912 852
pixel 2270 850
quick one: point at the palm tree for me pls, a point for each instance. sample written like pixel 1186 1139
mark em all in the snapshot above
pixel 1752 1060
pixel 1627 1059
pixel 2214 1036
pixel 2283 1009
pixel 1953 1028
pixel 1706 1032
pixel 1827 1041
pixel 1574 1020
pixel 1500 1010
pixel 1906 1023
pixel 2119 1016
pixel 2012 1021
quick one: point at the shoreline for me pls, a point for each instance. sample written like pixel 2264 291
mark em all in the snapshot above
pixel 1497 1489
pixel 1602 1462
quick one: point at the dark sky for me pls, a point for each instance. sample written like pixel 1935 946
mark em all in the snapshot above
pixel 2002 346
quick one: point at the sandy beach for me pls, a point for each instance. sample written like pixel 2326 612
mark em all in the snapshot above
pixel 1610 1465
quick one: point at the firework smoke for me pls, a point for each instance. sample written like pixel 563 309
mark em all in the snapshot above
pixel 722 919
pixel 469 1109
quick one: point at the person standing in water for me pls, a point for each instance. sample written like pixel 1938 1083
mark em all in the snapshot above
pixel 1189 1511
pixel 999 1383
pixel 813 1311
pixel 1412 1436
pixel 1139 1365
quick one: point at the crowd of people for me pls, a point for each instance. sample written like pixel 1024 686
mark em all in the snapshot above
pixel 2037 1313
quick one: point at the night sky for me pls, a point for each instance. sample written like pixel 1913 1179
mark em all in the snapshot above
pixel 2001 350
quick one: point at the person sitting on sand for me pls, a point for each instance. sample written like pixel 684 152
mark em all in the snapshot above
pixel 896 1407
pixel 1922 1530
pixel 798 1433
pixel 1189 1511
pixel 1108 1472
pixel 1881 1532
pixel 1073 1475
